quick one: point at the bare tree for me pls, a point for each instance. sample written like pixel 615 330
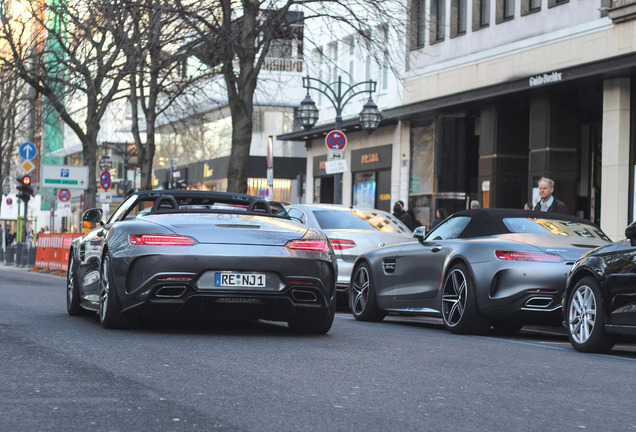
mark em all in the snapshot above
pixel 14 118
pixel 156 47
pixel 69 52
pixel 237 36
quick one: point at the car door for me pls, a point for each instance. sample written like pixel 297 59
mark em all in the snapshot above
pixel 621 285
pixel 420 266
pixel 90 251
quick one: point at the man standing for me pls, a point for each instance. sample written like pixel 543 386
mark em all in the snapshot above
pixel 548 202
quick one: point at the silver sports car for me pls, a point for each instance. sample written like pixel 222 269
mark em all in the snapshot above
pixel 202 254
pixel 477 269
pixel 352 231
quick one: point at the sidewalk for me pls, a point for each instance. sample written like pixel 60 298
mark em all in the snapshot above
pixel 11 267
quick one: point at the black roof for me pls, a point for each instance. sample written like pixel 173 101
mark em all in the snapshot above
pixel 487 222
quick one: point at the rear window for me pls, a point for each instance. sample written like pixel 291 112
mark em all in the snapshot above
pixel 359 220
pixel 554 227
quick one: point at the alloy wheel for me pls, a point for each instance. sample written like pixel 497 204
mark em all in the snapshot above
pixel 103 297
pixel 361 290
pixel 70 282
pixel 582 314
pixel 454 297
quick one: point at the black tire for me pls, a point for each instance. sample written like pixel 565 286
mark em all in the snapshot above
pixel 109 305
pixel 73 300
pixel 362 301
pixel 315 322
pixel 459 305
pixel 585 320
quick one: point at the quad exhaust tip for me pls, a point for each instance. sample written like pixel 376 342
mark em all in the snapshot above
pixel 304 295
pixel 171 291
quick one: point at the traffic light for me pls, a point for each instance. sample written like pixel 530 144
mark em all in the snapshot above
pixel 25 190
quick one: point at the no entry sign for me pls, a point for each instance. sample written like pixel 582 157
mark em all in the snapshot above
pixel 336 140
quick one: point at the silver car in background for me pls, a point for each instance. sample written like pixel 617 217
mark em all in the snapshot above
pixel 352 231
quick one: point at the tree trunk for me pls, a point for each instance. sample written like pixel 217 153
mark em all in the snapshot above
pixel 242 124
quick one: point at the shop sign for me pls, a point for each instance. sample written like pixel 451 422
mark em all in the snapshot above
pixel 545 79
pixel 371 158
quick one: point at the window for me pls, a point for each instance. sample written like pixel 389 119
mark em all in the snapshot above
pixel 451 229
pixel 437 20
pixel 530 6
pixel 552 3
pixel 505 10
pixel 458 17
pixel 481 14
pixel 419 22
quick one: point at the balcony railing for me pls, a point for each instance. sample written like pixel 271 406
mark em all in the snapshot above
pixel 283 64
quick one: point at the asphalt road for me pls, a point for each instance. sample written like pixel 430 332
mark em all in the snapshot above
pixel 66 373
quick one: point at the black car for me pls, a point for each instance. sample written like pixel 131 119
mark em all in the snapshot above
pixel 599 303
pixel 202 254
pixel 477 269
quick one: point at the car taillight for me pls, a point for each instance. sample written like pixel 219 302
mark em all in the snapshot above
pixel 340 244
pixel 161 240
pixel 527 256
pixel 312 245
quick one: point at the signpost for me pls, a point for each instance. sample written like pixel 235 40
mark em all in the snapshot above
pixel 64 195
pixel 28 151
pixel 69 176
pixel 105 180
pixel 336 140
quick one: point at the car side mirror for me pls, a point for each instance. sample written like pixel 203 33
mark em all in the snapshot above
pixel 92 216
pixel 419 233
pixel 630 233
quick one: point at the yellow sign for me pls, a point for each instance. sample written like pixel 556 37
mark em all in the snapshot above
pixel 28 166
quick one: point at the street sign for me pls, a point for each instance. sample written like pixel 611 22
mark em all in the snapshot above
pixel 336 140
pixel 9 201
pixel 105 198
pixel 105 180
pixel 27 166
pixel 336 166
pixel 335 155
pixel 69 176
pixel 28 150
pixel 64 195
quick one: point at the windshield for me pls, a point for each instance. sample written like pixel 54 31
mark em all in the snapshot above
pixel 359 220
pixel 554 227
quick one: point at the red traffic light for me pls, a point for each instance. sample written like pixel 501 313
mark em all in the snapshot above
pixel 26 180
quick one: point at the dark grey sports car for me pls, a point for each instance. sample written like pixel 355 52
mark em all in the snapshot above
pixel 599 303
pixel 477 269
pixel 202 254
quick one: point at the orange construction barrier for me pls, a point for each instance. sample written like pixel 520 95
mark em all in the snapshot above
pixel 52 252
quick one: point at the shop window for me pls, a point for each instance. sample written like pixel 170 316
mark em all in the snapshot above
pixel 530 6
pixel 458 17
pixel 437 20
pixel 481 14
pixel 505 10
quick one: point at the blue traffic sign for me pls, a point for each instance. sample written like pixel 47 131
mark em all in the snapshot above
pixel 336 140
pixel 28 150
pixel 105 180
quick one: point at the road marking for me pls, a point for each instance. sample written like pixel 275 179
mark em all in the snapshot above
pixel 554 347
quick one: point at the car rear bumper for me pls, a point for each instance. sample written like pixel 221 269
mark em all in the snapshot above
pixel 178 285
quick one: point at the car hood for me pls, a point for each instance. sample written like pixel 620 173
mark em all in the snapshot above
pixel 366 240
pixel 567 247
pixel 231 228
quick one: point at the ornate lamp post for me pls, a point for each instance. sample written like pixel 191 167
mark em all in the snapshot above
pixel 105 162
pixel 307 113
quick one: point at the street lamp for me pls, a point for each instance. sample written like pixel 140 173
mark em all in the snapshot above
pixel 307 113
pixel 105 163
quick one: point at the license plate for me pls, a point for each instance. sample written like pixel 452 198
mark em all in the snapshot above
pixel 251 280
